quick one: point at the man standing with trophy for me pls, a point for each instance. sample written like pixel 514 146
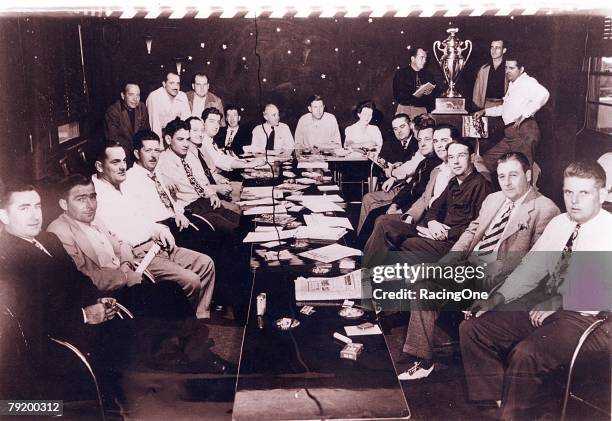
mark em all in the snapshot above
pixel 524 97
pixel 413 85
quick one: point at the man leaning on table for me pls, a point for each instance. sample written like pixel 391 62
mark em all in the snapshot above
pixel 271 134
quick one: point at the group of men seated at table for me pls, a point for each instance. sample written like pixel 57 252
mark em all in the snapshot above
pixel 438 205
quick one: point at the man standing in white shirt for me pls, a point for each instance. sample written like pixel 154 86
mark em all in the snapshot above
pixel 192 270
pixel 524 97
pixel 272 134
pixel 540 311
pixel 317 127
pixel 167 102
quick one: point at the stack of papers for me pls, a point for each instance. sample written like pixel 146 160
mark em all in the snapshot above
pixel 331 253
pixel 313 165
pixel 331 187
pixel 254 202
pixel 337 288
pixel 321 204
pixel 250 193
pixel 327 221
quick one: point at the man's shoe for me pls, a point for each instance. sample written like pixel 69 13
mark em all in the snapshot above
pixel 419 370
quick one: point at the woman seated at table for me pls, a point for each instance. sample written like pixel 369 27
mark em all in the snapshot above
pixel 362 134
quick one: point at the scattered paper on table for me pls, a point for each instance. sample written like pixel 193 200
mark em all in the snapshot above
pixel 257 210
pixel 305 180
pixel 328 221
pixel 262 201
pixel 265 236
pixel 355 331
pixel 331 253
pixel 271 244
pixel 321 204
pixel 331 187
pixel 320 233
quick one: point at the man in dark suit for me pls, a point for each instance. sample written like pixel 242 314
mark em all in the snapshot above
pixel 234 136
pixel 126 116
pixel 51 297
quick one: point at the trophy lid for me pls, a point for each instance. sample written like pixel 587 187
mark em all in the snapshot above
pixel 452 30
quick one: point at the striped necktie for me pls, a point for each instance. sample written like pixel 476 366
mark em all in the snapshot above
pixel 161 192
pixel 192 180
pixel 558 275
pixel 489 241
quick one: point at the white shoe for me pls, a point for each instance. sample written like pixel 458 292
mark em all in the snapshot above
pixel 417 371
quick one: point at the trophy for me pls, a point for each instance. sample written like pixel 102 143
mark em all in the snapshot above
pixel 452 63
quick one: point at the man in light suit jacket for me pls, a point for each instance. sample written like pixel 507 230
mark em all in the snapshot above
pixel 126 116
pixel 110 263
pixel 509 223
pixel 201 98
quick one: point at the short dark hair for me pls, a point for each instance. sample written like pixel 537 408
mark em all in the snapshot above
pixel 414 50
pixel 229 107
pixel 100 152
pixel 143 135
pixel 503 41
pixel 209 111
pixel 129 82
pixel 67 183
pixel 200 74
pixel 464 142
pixel 365 104
pixel 13 186
pixel 511 56
pixel 401 115
pixel 190 119
pixel 176 125
pixel 587 169
pixel 454 132
pixel 516 156
pixel 424 121
pixel 167 72
pixel 313 98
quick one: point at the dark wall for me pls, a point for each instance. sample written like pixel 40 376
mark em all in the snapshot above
pixel 363 66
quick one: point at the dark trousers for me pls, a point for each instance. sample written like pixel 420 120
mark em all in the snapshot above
pixel 522 140
pixel 532 354
pixel 368 224
pixel 224 221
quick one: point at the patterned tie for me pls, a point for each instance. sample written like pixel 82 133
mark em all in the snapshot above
pixel 230 139
pixel 270 143
pixel 192 180
pixel 558 275
pixel 161 192
pixel 489 241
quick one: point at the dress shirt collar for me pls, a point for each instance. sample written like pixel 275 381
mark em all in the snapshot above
pixel 106 184
pixel 521 77
pixel 471 176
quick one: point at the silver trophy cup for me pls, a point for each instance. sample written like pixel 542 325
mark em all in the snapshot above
pixel 449 55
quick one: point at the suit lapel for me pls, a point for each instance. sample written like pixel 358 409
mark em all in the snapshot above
pixel 82 241
pixel 522 216
pixel 126 122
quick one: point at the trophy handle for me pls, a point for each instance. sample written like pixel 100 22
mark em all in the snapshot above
pixel 468 44
pixel 436 47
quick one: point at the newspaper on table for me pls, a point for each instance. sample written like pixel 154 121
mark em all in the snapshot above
pixel 331 253
pixel 337 288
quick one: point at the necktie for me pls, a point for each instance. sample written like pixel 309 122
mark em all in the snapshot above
pixel 132 113
pixel 192 180
pixel 270 143
pixel 417 80
pixel 161 192
pixel 488 242
pixel 230 139
pixel 558 275
pixel 207 172
pixel 41 247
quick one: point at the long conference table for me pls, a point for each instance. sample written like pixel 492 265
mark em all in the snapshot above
pixel 298 374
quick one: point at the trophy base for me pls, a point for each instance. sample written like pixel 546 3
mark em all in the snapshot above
pixel 450 106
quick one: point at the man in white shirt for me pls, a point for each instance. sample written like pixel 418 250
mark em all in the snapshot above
pixel 201 98
pixel 167 102
pixel 524 97
pixel 272 134
pixel 540 311
pixel 317 127
pixel 192 270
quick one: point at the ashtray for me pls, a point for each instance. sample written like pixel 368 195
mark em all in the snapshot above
pixel 287 323
pixel 351 313
pixel 300 244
